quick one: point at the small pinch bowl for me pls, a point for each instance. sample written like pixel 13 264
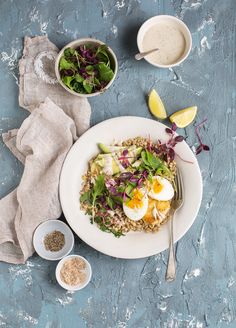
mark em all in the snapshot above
pixel 88 270
pixel 47 227
pixel 168 19
pixel 75 44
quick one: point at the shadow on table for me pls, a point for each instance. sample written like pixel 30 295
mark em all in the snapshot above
pixel 129 39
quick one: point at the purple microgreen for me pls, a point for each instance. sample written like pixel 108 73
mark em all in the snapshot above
pixel 206 148
pixel 112 189
pixel 124 196
pixel 201 146
pixel 167 149
pixel 199 149
pixel 125 176
pixel 179 138
pixel 171 154
pixel 169 131
pixel 125 152
pixel 174 127
pixel 133 179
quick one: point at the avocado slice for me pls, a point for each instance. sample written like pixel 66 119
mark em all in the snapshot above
pixel 110 149
pixel 111 164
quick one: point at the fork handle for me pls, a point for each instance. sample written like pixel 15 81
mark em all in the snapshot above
pixel 171 266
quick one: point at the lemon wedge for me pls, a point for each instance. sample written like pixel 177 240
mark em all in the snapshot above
pixel 184 117
pixel 156 106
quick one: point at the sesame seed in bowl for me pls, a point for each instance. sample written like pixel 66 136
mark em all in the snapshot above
pixel 73 272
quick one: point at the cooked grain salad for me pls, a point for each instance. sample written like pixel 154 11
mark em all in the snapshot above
pixel 129 186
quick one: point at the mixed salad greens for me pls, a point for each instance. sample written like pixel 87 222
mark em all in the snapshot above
pixel 86 69
pixel 117 172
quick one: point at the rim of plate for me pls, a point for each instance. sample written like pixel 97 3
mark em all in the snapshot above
pixel 63 179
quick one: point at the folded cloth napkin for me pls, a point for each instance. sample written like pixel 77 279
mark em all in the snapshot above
pixel 41 143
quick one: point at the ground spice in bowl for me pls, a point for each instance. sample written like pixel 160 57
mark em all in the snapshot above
pixel 54 241
pixel 73 271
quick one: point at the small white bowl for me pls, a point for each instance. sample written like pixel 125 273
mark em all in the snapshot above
pixel 88 271
pixel 76 44
pixel 47 227
pixel 173 21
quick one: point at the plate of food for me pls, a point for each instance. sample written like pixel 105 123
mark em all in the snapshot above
pixel 117 183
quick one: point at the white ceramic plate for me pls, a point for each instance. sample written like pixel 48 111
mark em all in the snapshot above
pixel 135 244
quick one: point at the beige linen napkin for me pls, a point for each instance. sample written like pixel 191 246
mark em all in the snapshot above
pixel 41 143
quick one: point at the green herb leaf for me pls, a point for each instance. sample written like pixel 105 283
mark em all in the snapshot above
pixel 89 68
pixel 99 187
pixel 129 189
pixel 65 64
pixel 110 202
pixel 144 157
pixel 105 72
pixel 86 197
pixel 79 78
pixel 102 54
pixel 67 80
pixel 153 161
pixel 77 87
pixel 69 52
pixel 88 86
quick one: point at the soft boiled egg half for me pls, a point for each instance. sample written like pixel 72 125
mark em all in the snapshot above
pixel 160 189
pixel 137 206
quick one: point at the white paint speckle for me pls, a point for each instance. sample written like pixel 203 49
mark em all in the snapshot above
pixel 231 282
pixel 178 80
pixel 205 23
pixel 186 6
pixel 10 58
pixel 120 4
pixel 195 5
pixel 192 274
pixel 204 45
pixel 227 314
pixel 34 15
pixel 177 320
pixel 43 27
pixel 114 30
pixel 22 315
pixel 162 306
pixel 65 299
pixel 104 11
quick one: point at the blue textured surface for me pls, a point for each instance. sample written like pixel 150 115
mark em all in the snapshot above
pixel 134 293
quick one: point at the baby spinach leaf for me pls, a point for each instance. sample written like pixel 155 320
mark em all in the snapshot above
pixel 67 80
pixel 105 72
pixel 65 64
pixel 79 78
pixel 87 86
pixel 77 87
pixel 153 161
pixel 102 54
pixel 69 52
pixel 89 68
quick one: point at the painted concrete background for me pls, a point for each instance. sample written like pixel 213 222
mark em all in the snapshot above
pixel 134 293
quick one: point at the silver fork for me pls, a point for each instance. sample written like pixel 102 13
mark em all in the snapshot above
pixel 177 202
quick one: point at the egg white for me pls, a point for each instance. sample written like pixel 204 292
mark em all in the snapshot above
pixel 136 214
pixel 167 192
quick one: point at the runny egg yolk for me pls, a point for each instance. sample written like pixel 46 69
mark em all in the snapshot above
pixel 137 200
pixel 157 186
